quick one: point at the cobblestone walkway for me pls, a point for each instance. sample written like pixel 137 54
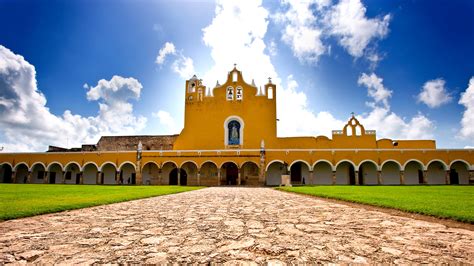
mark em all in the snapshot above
pixel 230 225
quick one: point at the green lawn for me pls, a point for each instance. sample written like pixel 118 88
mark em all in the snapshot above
pixel 454 202
pixel 22 200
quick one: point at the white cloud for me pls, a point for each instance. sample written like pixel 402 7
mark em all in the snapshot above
pixel 167 49
pixel 467 122
pixel 26 124
pixel 306 24
pixel 375 88
pixel 387 123
pixel 167 122
pixel 347 21
pixel 434 93
pixel 181 65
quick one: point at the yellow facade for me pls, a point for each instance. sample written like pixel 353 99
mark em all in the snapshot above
pixel 230 138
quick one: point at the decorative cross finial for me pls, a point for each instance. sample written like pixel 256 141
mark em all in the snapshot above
pixel 235 65
pixel 352 113
pixel 269 80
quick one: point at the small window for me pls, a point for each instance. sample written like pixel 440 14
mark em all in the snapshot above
pixel 192 87
pixel 270 93
pixel 234 76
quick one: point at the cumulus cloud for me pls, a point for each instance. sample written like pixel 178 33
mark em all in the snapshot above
pixel 387 123
pixel 467 122
pixel 182 65
pixel 375 88
pixel 306 25
pixel 27 124
pixel 347 21
pixel 434 93
pixel 167 49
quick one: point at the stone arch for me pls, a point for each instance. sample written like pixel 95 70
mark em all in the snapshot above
pixel 107 162
pixel 189 161
pixel 229 173
pixel 89 173
pixel 55 173
pixel 38 173
pixel 6 173
pixel 274 161
pixel 209 175
pixel 55 163
pixel 326 161
pixel 72 172
pixel 322 172
pixel 413 160
pixel 299 172
pixel 391 172
pixel 445 166
pixel 222 164
pixel 459 172
pixel 21 172
pixel 249 173
pixel 191 169
pixel 368 172
pixel 19 164
pixel 301 161
pixel 166 168
pixel 108 175
pixel 127 173
pixel 413 172
pixel 127 162
pixel 436 172
pixel 240 130
pixel 36 163
pixel 345 172
pixel 151 173
pixel 274 170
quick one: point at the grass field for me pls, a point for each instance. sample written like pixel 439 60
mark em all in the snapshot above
pixel 22 200
pixel 454 202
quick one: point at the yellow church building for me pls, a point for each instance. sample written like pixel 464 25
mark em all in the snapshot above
pixel 230 138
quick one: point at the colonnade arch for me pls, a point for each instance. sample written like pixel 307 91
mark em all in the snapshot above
pixel 390 171
pixel 108 173
pixel 345 173
pixel 322 173
pixel 151 174
pixel 127 174
pixel 368 173
pixel 459 172
pixel 300 172
pixel 436 172
pixel 6 173
pixel 250 173
pixel 413 172
pixel 90 172
pixel 55 173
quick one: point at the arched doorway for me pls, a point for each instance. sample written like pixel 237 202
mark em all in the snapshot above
pixel 274 172
pixel 108 174
pixel 391 173
pixel 322 172
pixel 413 173
pixel 21 171
pixel 436 173
pixel 209 174
pixel 459 173
pixel 249 174
pixel 231 173
pixel 89 173
pixel 368 173
pixel 183 177
pixel 299 173
pixel 6 173
pixel 345 173
pixel 191 170
pixel 150 174
pixel 38 173
pixel 127 174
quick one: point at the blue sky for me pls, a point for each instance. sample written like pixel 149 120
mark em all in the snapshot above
pixel 119 67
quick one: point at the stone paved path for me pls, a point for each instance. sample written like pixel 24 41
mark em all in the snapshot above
pixel 230 225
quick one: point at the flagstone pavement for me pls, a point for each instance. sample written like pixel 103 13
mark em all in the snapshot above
pixel 233 225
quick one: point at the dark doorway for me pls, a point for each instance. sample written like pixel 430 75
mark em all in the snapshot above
pixel 52 177
pixel 352 178
pixel 133 179
pixel 174 177
pixel 420 177
pixel 7 174
pixel 295 173
pixel 231 173
pixel 78 179
pixel 453 177
pixel 361 177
